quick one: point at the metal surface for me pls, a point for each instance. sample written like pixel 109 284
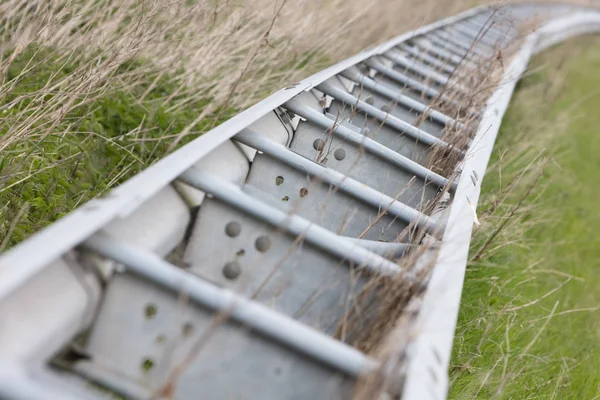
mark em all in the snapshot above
pixel 231 268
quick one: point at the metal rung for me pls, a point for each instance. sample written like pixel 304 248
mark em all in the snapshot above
pixel 483 27
pixel 291 223
pixel 457 47
pixel 468 44
pixel 422 55
pixel 411 83
pixel 403 79
pixel 418 134
pixel 481 36
pixel 368 144
pixel 386 249
pixel 417 67
pixel 489 29
pixel 442 53
pixel 285 330
pixel 490 25
pixel 394 94
pixel 421 69
pixel 337 179
pixel 438 42
pixel 482 32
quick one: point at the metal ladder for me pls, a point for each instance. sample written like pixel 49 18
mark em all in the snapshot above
pixel 233 267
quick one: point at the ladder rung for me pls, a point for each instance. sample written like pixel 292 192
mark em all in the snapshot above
pixel 394 94
pixel 468 44
pixel 368 144
pixel 417 67
pixel 457 47
pixel 410 82
pixel 427 72
pixel 430 47
pixel 480 39
pixel 422 55
pixel 388 119
pixel 403 79
pixel 279 327
pixel 335 178
pixel 481 36
pixel 489 29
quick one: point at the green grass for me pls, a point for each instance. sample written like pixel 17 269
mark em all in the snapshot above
pixel 96 146
pixel 529 324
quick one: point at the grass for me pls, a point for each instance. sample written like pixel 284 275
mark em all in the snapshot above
pixel 529 325
pixel 94 91
pixel 95 145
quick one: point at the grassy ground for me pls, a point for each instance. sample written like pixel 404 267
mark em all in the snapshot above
pixel 529 325
pixel 92 92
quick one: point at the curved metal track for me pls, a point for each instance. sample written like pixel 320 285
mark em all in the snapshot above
pixel 233 267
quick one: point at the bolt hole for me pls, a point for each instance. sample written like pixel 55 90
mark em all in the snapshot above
pixel 318 144
pixel 232 270
pixel 263 243
pixel 147 364
pixel 150 311
pixel 303 192
pixel 339 154
pixel 285 198
pixel 240 252
pixel 279 180
pixel 233 229
pixel 187 329
pixel 160 339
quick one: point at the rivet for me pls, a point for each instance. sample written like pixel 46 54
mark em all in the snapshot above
pixel 232 270
pixel 339 154
pixel 147 364
pixel 262 243
pixel 319 144
pixel 233 229
pixel 187 329
pixel 150 311
pixel 303 192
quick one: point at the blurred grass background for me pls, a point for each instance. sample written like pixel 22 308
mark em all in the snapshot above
pixel 529 324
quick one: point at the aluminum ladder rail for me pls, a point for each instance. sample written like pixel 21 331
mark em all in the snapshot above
pixel 226 269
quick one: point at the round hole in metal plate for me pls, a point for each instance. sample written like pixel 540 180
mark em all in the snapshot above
pixel 233 229
pixel 303 192
pixel 232 270
pixel 150 310
pixel 147 364
pixel 279 181
pixel 339 154
pixel 187 329
pixel 263 243
pixel 319 144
